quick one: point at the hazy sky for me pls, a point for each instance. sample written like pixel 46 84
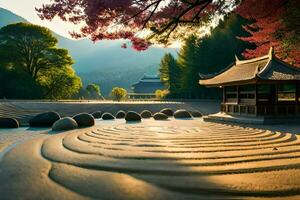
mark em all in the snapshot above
pixel 26 9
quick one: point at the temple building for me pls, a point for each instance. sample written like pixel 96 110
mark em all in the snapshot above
pixel 265 88
pixel 146 87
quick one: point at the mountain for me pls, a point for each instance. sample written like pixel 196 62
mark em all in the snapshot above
pixel 104 62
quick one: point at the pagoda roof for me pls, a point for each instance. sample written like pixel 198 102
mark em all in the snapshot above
pixel 148 84
pixel 267 67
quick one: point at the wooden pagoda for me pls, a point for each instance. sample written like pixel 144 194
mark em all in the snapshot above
pixel 265 86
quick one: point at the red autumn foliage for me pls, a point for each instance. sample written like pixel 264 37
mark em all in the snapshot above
pixel 123 19
pixel 274 25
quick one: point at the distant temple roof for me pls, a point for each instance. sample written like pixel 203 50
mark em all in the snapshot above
pixel 148 84
pixel 267 67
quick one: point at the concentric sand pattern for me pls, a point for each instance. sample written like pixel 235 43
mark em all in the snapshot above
pixel 177 159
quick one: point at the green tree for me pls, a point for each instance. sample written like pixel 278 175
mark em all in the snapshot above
pixel 170 73
pixel 29 52
pixel 18 85
pixel 118 93
pixel 210 54
pixel 93 91
pixel 187 60
pixel 60 83
pixel 31 48
pixel 161 94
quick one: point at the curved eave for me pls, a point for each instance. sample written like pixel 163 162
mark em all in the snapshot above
pixel 230 83
pixel 295 73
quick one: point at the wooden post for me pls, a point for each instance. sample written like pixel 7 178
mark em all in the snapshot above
pixel 256 99
pixel 297 98
pixel 224 94
pixel 276 99
pixel 238 98
pixel 238 94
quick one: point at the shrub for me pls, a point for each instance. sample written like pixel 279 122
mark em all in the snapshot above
pixel 118 93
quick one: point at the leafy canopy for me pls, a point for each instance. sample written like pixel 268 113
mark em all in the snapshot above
pixel 125 19
pixel 206 55
pixel 118 93
pixel 276 23
pixel 31 48
pixel 93 91
pixel 29 55
pixel 169 72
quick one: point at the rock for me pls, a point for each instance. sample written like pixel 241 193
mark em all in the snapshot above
pixel 64 124
pixel 160 116
pixel 167 111
pixel 182 114
pixel 44 119
pixel 196 114
pixel 97 114
pixel 107 116
pixel 133 116
pixel 84 120
pixel 121 114
pixel 146 114
pixel 8 123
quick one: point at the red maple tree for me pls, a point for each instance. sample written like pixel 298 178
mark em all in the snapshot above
pixel 276 24
pixel 125 19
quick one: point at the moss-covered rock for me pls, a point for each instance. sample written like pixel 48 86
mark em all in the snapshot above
pixel 64 124
pixel 121 114
pixel 97 114
pixel 46 119
pixel 196 114
pixel 84 120
pixel 133 116
pixel 8 123
pixel 146 114
pixel 160 116
pixel 107 116
pixel 182 114
pixel 167 111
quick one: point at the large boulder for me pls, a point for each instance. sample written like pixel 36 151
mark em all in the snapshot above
pixel 8 123
pixel 84 120
pixel 121 114
pixel 146 114
pixel 97 114
pixel 46 119
pixel 196 114
pixel 107 116
pixel 182 114
pixel 64 124
pixel 160 116
pixel 167 111
pixel 132 116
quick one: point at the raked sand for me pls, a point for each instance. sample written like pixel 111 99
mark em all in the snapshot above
pixel 174 159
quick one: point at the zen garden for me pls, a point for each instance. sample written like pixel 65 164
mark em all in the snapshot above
pixel 149 99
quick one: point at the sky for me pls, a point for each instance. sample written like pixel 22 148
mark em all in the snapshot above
pixel 26 9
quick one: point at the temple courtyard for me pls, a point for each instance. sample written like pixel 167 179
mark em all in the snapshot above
pixel 151 159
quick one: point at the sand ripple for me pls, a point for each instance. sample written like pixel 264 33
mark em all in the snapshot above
pixel 175 160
